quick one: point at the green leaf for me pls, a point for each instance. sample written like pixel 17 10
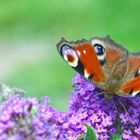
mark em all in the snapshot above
pixel 90 135
pixel 117 137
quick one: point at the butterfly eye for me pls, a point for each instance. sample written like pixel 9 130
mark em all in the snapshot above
pixel 137 73
pixel 99 49
pixel 69 55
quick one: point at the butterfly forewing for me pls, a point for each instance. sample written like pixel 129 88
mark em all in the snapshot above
pixel 82 57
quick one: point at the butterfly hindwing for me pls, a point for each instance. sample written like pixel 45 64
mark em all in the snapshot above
pixel 132 83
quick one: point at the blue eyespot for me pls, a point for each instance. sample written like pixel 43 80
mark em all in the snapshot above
pixel 64 49
pixel 69 55
pixel 99 49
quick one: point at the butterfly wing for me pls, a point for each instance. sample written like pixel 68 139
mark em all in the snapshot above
pixel 113 51
pixel 82 57
pixel 114 54
pixel 104 62
pixel 120 66
pixel 113 62
pixel 97 60
pixel 131 85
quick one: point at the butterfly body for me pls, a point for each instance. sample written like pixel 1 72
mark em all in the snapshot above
pixel 114 80
pixel 105 63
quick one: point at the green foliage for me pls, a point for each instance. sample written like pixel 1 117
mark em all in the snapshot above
pixel 71 19
pixel 117 137
pixel 90 135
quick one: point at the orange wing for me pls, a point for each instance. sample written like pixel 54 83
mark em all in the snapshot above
pixel 132 86
pixel 82 57
pixel 88 58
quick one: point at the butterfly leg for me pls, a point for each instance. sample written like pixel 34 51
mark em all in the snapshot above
pixel 115 106
pixel 121 103
pixel 98 94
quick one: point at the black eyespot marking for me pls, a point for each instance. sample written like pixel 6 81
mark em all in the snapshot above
pixel 131 92
pixel 137 73
pixel 99 49
pixel 138 94
pixel 79 68
pixel 91 77
pixel 102 62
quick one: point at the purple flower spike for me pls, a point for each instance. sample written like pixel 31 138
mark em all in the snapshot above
pixel 30 118
pixel 105 117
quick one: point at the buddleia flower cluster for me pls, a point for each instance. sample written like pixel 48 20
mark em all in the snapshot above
pixel 33 119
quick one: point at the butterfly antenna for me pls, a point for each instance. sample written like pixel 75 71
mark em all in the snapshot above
pixel 115 106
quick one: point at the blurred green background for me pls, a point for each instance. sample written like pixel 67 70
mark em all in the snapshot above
pixel 30 29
